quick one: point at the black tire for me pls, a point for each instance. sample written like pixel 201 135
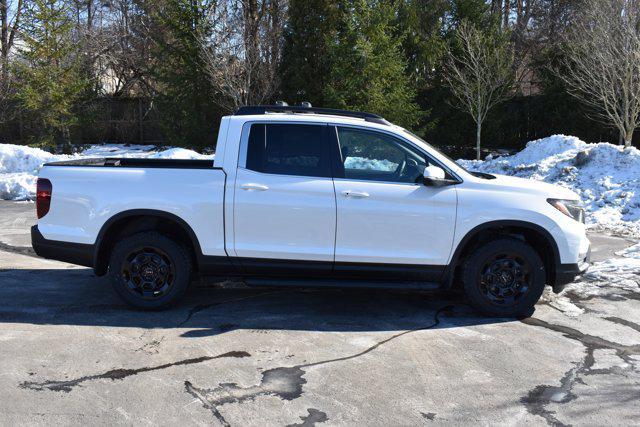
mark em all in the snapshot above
pixel 149 270
pixel 504 278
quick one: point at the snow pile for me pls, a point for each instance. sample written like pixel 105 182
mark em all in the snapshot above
pixel 364 163
pixel 148 151
pixel 605 176
pixel 19 165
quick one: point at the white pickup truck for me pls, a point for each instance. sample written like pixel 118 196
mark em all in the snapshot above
pixel 305 196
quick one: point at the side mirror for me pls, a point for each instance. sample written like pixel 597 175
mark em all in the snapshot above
pixel 436 177
pixel 432 175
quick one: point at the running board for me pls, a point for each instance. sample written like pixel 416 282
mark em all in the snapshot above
pixel 331 283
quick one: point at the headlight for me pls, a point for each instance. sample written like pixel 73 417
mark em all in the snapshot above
pixel 571 208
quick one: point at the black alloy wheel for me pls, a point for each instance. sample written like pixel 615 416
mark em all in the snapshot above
pixel 505 279
pixel 149 272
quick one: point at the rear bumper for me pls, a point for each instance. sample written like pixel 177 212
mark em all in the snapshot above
pixel 73 253
pixel 567 273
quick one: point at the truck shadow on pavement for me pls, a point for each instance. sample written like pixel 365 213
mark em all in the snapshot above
pixel 77 297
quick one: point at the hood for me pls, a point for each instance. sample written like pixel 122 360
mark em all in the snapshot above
pixel 532 186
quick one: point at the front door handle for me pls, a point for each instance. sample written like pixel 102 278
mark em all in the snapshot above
pixel 254 187
pixel 355 194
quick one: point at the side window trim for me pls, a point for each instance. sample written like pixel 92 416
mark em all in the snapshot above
pixel 244 145
pixel 338 170
pixel 337 162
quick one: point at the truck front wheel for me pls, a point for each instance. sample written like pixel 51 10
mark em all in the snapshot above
pixel 504 278
pixel 149 271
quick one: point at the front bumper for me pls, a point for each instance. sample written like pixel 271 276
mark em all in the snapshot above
pixel 567 273
pixel 73 253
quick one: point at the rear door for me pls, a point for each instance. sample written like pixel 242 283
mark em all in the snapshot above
pixel 284 207
pixel 386 215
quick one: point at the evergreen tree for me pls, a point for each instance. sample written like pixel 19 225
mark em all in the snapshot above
pixel 184 98
pixel 305 63
pixel 419 23
pixel 51 75
pixel 367 65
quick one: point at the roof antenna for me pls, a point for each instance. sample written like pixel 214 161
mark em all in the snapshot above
pixel 305 104
pixel 281 104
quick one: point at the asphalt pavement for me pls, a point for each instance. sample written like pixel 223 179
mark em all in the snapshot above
pixel 73 354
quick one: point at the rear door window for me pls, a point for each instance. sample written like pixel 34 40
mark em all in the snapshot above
pixel 289 149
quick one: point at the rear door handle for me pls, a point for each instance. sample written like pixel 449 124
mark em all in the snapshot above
pixel 254 187
pixel 355 194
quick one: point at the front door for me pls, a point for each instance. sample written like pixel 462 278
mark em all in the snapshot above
pixel 386 215
pixel 284 206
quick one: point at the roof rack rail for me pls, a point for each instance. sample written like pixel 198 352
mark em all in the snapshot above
pixel 262 109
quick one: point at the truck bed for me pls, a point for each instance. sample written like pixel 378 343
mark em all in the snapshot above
pixel 86 193
pixel 136 163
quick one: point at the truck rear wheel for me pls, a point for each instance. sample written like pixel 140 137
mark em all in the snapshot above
pixel 504 278
pixel 149 271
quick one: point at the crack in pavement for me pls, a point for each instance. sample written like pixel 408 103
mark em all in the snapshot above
pixel 120 373
pixel 197 393
pixel 538 398
pixel 542 395
pixel 283 382
pixel 198 308
pixel 624 322
pixel 624 351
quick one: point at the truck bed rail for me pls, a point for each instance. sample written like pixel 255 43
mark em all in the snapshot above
pixel 137 163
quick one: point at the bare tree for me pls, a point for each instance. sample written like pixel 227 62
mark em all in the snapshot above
pixel 9 109
pixel 10 14
pixel 242 53
pixel 127 59
pixel 602 68
pixel 9 26
pixel 479 71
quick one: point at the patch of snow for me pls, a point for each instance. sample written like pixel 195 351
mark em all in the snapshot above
pixel 630 252
pixel 614 279
pixel 561 302
pixel 19 165
pixel 614 275
pixel 605 176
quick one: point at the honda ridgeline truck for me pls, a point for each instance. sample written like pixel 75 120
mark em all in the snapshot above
pixel 306 196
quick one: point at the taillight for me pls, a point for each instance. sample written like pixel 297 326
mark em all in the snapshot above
pixel 43 196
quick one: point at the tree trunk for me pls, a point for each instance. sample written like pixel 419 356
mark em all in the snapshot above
pixel 478 132
pixel 496 7
pixel 8 31
pixel 4 39
pixel 66 140
pixel 507 11
pixel 627 138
